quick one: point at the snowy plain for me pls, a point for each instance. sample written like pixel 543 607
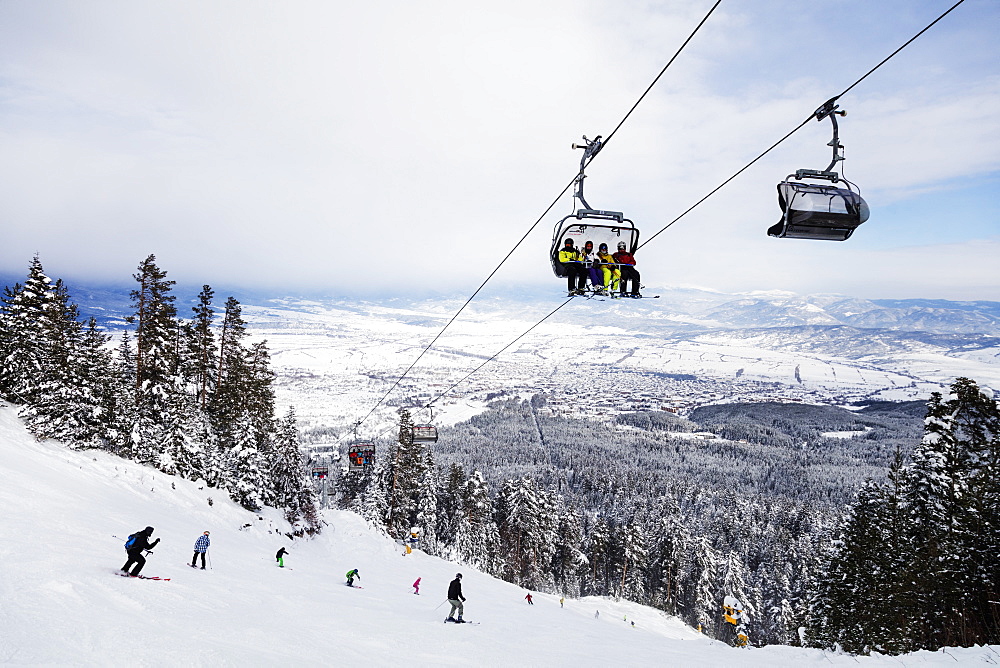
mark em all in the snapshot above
pixel 65 514
pixel 335 359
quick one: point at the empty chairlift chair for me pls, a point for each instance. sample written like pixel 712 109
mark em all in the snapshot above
pixel 816 210
pixel 425 433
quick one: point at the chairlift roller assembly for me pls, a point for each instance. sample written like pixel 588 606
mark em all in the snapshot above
pixel 588 224
pixel 818 211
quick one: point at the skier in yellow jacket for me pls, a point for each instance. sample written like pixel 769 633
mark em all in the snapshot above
pixel 569 258
pixel 609 271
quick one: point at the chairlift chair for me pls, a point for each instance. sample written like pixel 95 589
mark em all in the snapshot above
pixel 588 224
pixel 427 432
pixel 820 211
pixel 360 456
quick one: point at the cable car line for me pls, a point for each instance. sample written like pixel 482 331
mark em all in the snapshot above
pixel 549 208
pixel 662 72
pixel 448 389
pixel 815 114
pixel 496 354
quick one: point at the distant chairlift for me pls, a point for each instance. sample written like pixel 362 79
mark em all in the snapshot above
pixel 360 456
pixel 425 433
pixel 817 211
pixel 587 224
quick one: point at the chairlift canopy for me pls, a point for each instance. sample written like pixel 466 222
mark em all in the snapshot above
pixel 818 211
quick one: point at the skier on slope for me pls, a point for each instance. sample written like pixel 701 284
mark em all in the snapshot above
pixel 528 599
pixel 456 599
pixel 136 545
pixel 280 557
pixel 416 587
pixel 351 574
pixel 200 547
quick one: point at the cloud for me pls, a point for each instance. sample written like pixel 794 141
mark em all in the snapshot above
pixel 400 146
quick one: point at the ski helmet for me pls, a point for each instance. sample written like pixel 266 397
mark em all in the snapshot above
pixel 568 242
pixel 148 529
pixel 458 575
pixel 621 245
pixel 603 247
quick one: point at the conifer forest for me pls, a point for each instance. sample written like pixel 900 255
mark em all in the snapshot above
pixel 888 541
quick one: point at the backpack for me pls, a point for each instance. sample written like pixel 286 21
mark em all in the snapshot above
pixel 130 542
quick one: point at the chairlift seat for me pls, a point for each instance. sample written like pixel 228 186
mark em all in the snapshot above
pixel 425 433
pixel 589 225
pixel 815 211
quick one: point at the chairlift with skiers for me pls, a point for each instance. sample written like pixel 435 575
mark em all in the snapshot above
pixel 588 224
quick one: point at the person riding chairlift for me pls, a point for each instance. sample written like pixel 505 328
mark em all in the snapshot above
pixel 609 272
pixel 628 270
pixel 569 259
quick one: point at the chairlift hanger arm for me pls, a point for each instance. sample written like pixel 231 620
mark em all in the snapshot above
pixel 591 147
pixel 829 109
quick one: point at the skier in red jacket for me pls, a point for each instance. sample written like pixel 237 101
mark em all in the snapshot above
pixel 626 263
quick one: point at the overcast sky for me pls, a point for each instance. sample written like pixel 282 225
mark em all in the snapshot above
pixel 399 146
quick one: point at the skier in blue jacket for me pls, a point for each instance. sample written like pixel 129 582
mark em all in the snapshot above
pixel 200 547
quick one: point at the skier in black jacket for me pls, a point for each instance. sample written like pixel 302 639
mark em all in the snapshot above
pixel 140 542
pixel 456 599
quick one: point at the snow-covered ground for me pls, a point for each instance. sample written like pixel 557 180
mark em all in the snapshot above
pixel 336 360
pixel 61 603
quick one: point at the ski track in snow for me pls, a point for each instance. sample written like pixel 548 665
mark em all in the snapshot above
pixel 61 604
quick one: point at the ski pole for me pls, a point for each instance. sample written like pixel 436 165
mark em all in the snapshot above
pixel 209 555
pixel 441 603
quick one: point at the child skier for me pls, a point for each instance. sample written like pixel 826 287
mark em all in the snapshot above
pixel 351 574
pixel 280 557
pixel 416 587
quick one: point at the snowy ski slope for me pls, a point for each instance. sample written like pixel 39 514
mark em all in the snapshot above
pixel 61 604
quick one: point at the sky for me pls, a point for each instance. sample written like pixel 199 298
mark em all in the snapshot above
pixel 395 147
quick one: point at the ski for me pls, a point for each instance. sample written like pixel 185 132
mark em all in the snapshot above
pixel 353 586
pixel 454 621
pixel 142 577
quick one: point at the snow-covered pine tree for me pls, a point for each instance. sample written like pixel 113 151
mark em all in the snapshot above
pixel 226 401
pixel 569 564
pixel 24 310
pixel 598 551
pixel 291 489
pixel 409 467
pixel 249 453
pixel 476 537
pixel 704 563
pixel 155 359
pixel 427 509
pixel 526 519
pixel 634 552
pixel 66 401
pixel 734 583
pixel 450 508
pixel 201 347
